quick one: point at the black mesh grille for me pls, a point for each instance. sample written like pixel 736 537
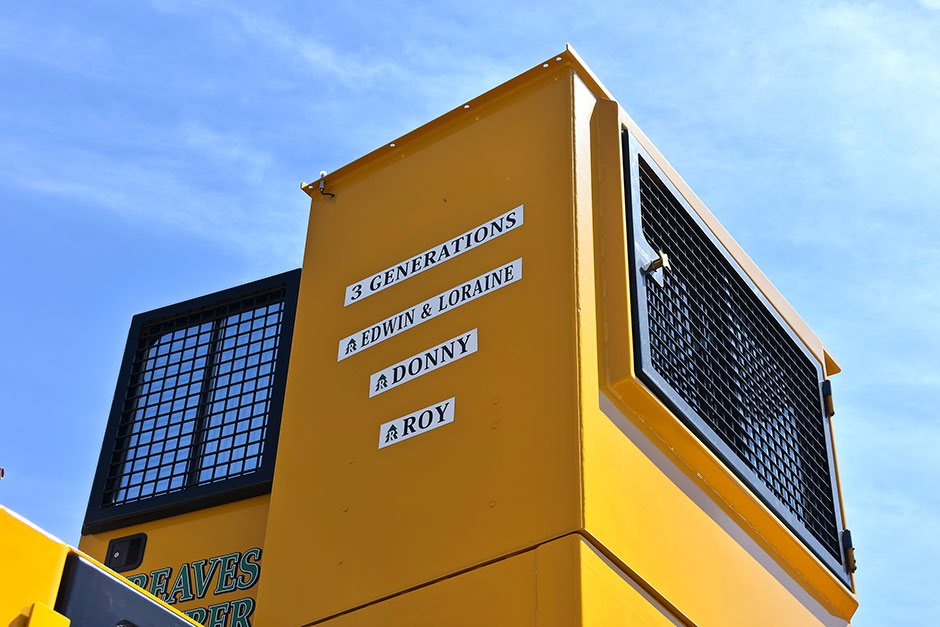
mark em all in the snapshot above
pixel 198 402
pixel 723 353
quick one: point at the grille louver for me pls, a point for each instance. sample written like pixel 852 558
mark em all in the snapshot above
pixel 714 350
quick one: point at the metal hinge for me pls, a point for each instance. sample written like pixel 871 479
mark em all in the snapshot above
pixel 850 563
pixel 827 399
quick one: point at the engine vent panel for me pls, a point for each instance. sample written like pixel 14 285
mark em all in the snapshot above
pixel 715 351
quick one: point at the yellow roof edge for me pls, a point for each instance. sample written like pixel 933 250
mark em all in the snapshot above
pixel 832 364
pixel 25 521
pixel 568 57
pixel 571 58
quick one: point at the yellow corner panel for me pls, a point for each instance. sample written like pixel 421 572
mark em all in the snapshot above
pixel 32 568
pixel 42 615
pixel 672 543
pixel 503 474
pixel 609 597
pixel 562 583
pixel 538 587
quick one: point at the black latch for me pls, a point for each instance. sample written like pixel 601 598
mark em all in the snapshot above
pixel 850 564
pixel 126 553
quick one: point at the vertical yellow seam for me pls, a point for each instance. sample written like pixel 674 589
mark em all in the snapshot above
pixel 577 291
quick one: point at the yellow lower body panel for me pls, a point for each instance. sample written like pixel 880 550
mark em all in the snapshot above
pixel 561 583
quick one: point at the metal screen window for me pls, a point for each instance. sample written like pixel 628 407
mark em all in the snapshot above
pixel 200 406
pixel 201 386
pixel 718 354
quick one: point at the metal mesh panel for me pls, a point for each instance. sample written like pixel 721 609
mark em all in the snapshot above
pixel 723 353
pixel 197 407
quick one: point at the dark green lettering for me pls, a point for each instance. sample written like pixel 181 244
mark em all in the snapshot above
pixel 202 578
pixel 158 581
pixel 217 615
pixel 226 581
pixel 198 614
pixel 250 568
pixel 241 611
pixel 183 586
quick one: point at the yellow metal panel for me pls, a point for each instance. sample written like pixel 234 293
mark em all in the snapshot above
pixel 562 583
pixel 32 568
pixel 213 557
pixel 364 522
pixel 41 615
pixel 538 587
pixel 667 539
pixel 608 597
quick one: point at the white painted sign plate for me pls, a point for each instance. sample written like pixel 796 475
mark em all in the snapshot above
pixel 416 423
pixel 424 362
pixel 477 236
pixel 431 308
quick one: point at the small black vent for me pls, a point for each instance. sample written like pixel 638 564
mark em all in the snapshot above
pixel 198 401
pixel 716 352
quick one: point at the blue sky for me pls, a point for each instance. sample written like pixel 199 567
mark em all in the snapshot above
pixel 152 152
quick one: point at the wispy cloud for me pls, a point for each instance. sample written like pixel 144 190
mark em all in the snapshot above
pixel 224 150
pixel 54 45
pixel 241 213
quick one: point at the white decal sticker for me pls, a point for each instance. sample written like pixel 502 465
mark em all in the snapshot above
pixel 431 308
pixel 423 363
pixel 406 269
pixel 416 423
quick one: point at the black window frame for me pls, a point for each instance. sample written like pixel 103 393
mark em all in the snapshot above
pixel 647 373
pixel 100 517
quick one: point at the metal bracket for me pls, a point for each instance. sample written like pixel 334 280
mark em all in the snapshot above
pixel 323 185
pixel 655 264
